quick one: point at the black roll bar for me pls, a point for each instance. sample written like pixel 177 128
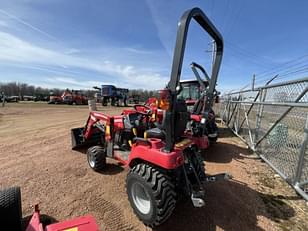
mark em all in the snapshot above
pixel 183 25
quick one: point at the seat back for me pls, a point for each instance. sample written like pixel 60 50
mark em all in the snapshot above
pixel 182 117
pixel 197 107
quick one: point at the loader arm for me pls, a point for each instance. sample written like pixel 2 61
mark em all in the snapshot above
pixel 96 120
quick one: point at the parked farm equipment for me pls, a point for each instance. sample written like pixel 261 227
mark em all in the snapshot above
pixel 69 97
pixel 162 155
pixel 8 99
pixel 74 97
pixel 134 99
pixel 11 216
pixel 112 94
pixel 55 99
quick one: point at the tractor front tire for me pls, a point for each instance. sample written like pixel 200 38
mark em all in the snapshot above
pixel 10 209
pixel 96 156
pixel 151 194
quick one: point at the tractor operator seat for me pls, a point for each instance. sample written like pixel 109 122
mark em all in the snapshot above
pixel 181 119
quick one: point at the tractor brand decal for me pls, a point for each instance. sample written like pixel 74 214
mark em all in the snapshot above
pixel 182 143
pixel 107 131
pixel 72 229
pixel 93 118
pixel 100 115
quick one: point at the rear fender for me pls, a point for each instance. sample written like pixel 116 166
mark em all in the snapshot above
pixel 153 153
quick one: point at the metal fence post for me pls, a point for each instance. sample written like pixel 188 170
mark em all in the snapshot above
pixel 237 118
pixel 259 116
pixel 302 153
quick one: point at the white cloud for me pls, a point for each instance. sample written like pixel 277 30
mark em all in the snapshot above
pixel 73 83
pixel 137 51
pixel 72 51
pixel 14 50
pixel 3 24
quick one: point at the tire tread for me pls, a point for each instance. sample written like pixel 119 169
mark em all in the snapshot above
pixel 163 191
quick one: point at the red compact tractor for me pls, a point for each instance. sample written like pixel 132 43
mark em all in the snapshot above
pixel 162 155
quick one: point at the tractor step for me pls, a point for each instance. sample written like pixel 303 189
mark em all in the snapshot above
pixel 196 198
pixel 218 177
pixel 120 153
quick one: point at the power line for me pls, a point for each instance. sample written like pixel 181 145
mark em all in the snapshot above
pixel 247 56
pixel 212 8
pixel 303 70
pixel 283 70
pixel 224 21
pixel 289 72
pixel 232 23
pixel 279 67
pixel 249 53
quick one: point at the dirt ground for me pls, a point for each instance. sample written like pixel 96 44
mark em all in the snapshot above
pixel 35 154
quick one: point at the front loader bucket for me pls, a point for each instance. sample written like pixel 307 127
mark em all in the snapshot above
pixel 78 140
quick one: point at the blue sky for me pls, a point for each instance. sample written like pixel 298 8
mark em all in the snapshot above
pixel 79 44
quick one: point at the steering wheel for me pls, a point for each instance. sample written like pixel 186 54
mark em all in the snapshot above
pixel 146 109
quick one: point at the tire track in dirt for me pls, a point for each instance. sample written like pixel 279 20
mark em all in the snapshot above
pixel 58 126
pixel 111 214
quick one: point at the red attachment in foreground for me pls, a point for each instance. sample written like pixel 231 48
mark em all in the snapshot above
pixel 35 224
pixel 85 223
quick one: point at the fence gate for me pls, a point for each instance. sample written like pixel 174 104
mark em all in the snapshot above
pixel 273 121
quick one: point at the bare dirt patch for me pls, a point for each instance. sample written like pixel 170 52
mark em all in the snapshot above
pixel 35 154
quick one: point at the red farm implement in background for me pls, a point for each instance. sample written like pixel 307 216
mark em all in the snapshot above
pixel 11 216
pixel 74 97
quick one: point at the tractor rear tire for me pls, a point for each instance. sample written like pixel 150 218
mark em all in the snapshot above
pixel 96 156
pixel 10 209
pixel 151 194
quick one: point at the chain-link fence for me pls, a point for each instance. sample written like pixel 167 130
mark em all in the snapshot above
pixel 273 121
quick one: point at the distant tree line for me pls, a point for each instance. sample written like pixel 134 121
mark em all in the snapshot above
pixel 24 89
pixel 143 94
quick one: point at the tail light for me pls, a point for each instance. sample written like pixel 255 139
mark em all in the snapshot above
pixel 164 99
